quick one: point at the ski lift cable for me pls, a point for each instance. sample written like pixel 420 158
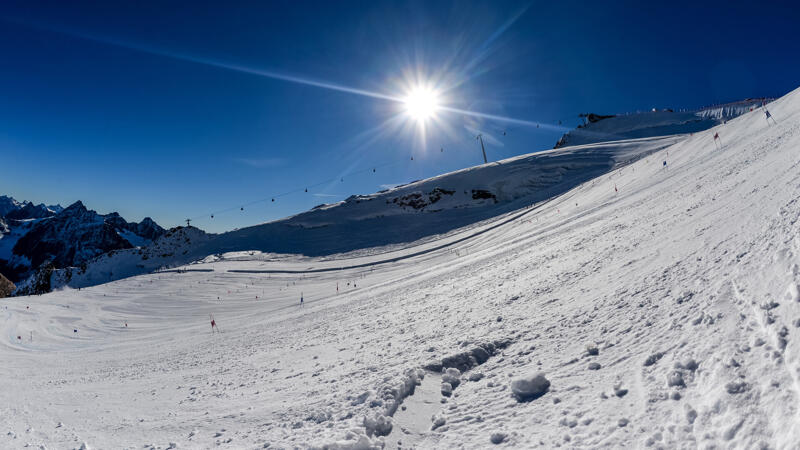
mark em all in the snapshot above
pixel 372 168
pixel 293 191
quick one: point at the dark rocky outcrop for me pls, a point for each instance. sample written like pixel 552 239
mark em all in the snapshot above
pixel 6 286
pixel 30 211
pixel 149 229
pixel 40 282
pixel 420 200
pixel 8 204
pixel 593 118
pixel 77 234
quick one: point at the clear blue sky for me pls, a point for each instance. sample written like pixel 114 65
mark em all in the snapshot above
pixel 175 110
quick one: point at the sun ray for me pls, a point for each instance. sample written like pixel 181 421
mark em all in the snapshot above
pixel 417 76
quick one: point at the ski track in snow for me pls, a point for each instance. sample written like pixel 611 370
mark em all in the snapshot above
pixel 685 281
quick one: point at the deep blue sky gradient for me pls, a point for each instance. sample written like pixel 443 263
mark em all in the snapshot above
pixel 106 102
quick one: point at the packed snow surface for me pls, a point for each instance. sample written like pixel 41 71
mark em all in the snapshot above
pixel 662 313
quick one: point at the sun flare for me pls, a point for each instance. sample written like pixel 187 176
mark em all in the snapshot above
pixel 421 104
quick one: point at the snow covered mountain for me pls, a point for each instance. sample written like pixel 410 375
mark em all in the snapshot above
pixel 650 307
pixel 656 123
pixel 423 209
pixel 420 210
pixel 437 205
pixel 400 217
pixel 8 204
pixel 175 247
pixel 12 209
pixel 34 235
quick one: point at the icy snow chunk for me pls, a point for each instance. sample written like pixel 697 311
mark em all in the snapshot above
pixel 498 438
pixel 652 359
pixel 468 359
pixel 438 421
pixel 319 416
pixel 564 422
pixel 361 398
pixel 378 425
pixel 480 355
pixel 353 441
pixel 476 376
pixel 530 387
pixel 447 389
pixel 736 387
pixel 769 305
pixel 688 364
pixel 451 375
pixel 675 379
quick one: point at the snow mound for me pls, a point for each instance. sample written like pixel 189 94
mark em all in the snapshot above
pixel 530 387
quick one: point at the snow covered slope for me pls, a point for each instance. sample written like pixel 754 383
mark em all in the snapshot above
pixel 663 314
pixel 437 205
pixel 427 209
pixel 657 123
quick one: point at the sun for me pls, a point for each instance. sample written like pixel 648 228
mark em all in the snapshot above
pixel 421 104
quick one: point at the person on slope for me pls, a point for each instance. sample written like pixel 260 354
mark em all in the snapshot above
pixel 769 116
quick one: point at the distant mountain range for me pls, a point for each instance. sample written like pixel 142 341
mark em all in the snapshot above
pixel 33 236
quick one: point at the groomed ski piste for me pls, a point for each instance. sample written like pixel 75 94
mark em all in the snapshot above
pixel 662 313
